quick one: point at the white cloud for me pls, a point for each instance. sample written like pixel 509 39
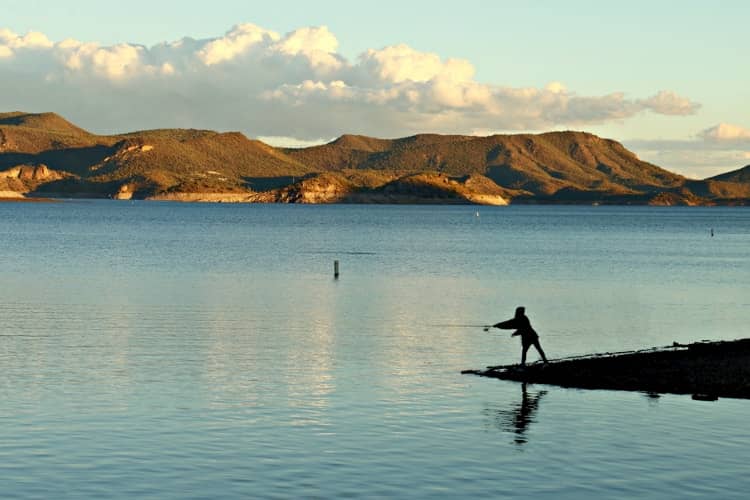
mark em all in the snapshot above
pixel 666 102
pixel 295 85
pixel 613 106
pixel 236 42
pixel 712 151
pixel 401 63
pixel 318 45
pixel 555 87
pixel 114 63
pixel 693 160
pixel 32 39
pixel 10 42
pixel 726 132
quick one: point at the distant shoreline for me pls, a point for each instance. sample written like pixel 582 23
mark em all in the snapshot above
pixel 237 199
pixel 30 200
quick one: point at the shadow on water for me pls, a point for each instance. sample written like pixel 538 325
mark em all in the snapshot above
pixel 517 418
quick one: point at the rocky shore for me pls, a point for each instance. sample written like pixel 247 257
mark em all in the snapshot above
pixel 707 370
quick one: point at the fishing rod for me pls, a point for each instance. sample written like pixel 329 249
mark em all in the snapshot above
pixel 485 327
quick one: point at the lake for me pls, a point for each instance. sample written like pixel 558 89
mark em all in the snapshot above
pixel 166 350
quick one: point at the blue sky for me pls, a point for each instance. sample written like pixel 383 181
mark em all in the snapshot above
pixel 669 79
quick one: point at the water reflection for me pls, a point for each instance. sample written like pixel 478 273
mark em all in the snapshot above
pixel 518 417
pixel 652 398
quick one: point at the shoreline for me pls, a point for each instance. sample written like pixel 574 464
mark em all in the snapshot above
pixel 707 370
pixel 30 200
pixel 264 198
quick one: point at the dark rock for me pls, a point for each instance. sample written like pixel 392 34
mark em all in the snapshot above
pixel 706 370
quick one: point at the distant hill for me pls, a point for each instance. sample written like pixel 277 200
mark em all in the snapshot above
pixel 741 175
pixel 45 155
pixel 50 122
pixel 139 163
pixel 36 133
pixel 538 164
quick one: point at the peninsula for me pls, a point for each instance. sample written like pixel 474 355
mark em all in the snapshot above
pixel 42 155
pixel 706 369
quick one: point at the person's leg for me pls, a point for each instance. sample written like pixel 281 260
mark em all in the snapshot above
pixel 539 350
pixel 523 353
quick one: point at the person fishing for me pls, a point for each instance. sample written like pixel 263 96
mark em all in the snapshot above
pixel 529 337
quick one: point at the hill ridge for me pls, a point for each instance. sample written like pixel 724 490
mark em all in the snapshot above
pixel 740 175
pixel 566 166
pixel 43 121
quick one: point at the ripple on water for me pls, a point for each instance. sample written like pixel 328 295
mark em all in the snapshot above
pixel 157 363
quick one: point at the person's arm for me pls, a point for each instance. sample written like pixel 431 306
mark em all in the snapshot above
pixel 507 325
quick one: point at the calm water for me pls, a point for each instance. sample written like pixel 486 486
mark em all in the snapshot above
pixel 157 350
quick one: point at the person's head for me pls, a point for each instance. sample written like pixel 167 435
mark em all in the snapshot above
pixel 520 311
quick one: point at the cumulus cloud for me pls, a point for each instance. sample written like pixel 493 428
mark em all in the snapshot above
pixel 666 102
pixel 32 39
pixel 691 158
pixel 710 152
pixel 240 40
pixel 401 63
pixel 318 45
pixel 293 85
pixel 725 132
pixel 111 63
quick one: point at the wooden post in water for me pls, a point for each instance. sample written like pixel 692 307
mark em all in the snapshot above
pixel 336 269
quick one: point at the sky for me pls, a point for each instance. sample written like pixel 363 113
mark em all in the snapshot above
pixel 670 80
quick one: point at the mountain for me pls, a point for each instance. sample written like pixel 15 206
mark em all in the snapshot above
pixel 42 154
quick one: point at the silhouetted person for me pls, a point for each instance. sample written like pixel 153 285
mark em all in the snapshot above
pixel 529 337
pixel 520 416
